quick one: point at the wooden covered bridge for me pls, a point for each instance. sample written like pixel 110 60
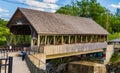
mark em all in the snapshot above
pixel 58 35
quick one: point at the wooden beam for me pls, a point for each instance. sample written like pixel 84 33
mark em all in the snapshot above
pixel 38 40
pixel 100 39
pixel 86 38
pixel 62 40
pixel 48 40
pixel 54 40
pixel 70 54
pixel 81 38
pixel 75 38
pixel 106 38
pixel 69 39
pixel 45 39
pixel 91 38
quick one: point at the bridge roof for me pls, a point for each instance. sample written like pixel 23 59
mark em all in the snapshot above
pixel 51 23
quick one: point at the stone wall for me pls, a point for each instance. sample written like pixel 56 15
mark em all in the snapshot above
pixel 86 67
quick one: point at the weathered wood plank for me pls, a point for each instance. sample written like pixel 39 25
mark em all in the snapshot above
pixel 69 48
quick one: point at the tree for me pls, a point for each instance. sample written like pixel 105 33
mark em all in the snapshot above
pixel 4 31
pixel 69 10
pixel 93 9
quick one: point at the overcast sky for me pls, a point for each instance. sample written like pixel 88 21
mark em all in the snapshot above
pixel 8 7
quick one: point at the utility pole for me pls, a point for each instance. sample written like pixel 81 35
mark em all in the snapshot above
pixel 107 21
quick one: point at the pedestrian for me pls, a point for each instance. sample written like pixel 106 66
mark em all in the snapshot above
pixel 23 53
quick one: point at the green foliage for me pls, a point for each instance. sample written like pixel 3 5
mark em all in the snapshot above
pixel 4 31
pixel 113 36
pixel 57 61
pixel 115 58
pixel 115 23
pixel 69 10
pixel 93 9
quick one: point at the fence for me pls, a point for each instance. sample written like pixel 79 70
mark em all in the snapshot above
pixel 7 65
pixel 32 67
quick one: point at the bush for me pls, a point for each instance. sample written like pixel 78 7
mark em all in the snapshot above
pixel 115 58
pixel 114 36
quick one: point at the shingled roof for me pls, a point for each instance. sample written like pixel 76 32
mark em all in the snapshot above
pixel 51 23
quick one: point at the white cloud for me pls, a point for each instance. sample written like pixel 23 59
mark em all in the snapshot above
pixel 41 9
pixel 3 10
pixel 115 5
pixel 37 5
pixel 51 1
pixel 6 14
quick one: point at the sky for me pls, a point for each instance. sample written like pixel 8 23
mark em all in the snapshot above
pixel 8 7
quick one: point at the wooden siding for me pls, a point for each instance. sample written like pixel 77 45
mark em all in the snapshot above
pixel 70 48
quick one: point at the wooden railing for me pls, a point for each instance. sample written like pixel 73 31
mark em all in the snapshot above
pixel 71 48
pixel 33 67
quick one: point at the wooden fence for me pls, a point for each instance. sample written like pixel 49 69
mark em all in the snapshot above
pixel 32 67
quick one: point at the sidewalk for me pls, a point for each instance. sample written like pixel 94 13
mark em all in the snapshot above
pixel 19 66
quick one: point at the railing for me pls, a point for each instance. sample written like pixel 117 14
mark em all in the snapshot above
pixel 9 64
pixel 2 50
pixel 72 48
pixel 33 67
pixel 36 49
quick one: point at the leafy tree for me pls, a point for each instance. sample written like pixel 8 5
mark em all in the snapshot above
pixel 69 10
pixel 4 31
pixel 93 9
pixel 84 8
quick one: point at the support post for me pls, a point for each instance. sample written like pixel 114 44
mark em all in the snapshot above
pixel 10 65
pixel 38 40
pixel 86 38
pixel 75 38
pixel 45 39
pixel 106 38
pixel 100 37
pixel 0 65
pixel 48 40
pixel 91 38
pixel 54 39
pixel 62 39
pixel 81 38
pixel 69 39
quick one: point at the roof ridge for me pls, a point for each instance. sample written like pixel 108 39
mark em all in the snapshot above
pixel 50 12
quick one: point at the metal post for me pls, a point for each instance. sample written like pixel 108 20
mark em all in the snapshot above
pixel 5 64
pixel 10 65
pixel 39 64
pixel 0 65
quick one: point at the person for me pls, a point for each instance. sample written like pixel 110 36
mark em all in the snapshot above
pixel 23 53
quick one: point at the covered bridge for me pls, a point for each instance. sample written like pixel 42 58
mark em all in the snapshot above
pixel 59 35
